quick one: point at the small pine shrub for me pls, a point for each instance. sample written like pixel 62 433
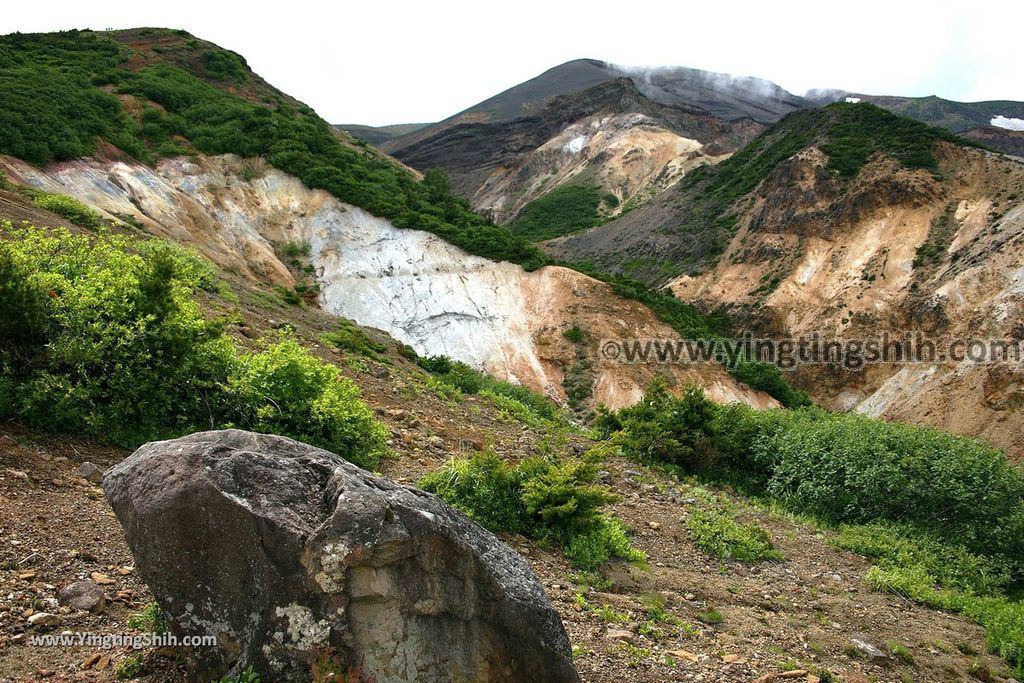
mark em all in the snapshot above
pixel 349 337
pixel 720 535
pixel 553 501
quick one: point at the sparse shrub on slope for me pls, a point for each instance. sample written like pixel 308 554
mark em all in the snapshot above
pixel 516 400
pixel 103 336
pixel 553 501
pixel 718 533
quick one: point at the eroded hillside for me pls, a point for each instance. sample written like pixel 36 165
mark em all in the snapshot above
pixel 413 285
pixel 850 222
pixel 610 136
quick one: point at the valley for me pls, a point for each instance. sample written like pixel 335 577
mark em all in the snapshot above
pixel 339 398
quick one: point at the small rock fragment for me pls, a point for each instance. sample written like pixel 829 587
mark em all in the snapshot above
pixel 90 473
pixel 870 652
pixel 82 595
pixel 44 619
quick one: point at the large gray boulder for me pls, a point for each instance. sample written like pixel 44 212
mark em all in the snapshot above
pixel 286 552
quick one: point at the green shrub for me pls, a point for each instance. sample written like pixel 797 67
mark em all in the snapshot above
pixel 286 390
pixel 105 338
pixel 952 566
pixel 150 619
pixel 767 377
pixel 514 400
pixel 839 467
pixel 718 534
pixel 563 210
pixel 485 487
pixel 349 337
pixel 668 429
pixel 552 501
pixel 67 207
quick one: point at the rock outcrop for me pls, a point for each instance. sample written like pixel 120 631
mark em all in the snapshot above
pixel 413 285
pixel 286 552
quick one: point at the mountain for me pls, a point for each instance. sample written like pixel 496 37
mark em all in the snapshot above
pixel 849 221
pixel 609 137
pixel 377 135
pixel 159 129
pixel 211 255
pixel 969 119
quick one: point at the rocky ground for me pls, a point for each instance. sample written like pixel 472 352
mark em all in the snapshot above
pixel 716 622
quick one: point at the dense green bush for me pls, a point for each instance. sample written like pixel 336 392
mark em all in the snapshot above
pixel 838 467
pixel 286 390
pixel 665 429
pixel 102 336
pixel 550 501
pixel 67 207
pixel 563 210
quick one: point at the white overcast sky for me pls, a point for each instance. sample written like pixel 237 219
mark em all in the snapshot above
pixel 389 62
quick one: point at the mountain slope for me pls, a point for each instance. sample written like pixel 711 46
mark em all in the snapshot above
pixel 609 136
pixel 153 93
pixel 850 222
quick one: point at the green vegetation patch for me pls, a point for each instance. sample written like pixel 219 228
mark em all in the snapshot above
pixel 942 516
pixel 554 501
pixel 350 337
pixel 721 535
pixel 562 211
pixel 516 400
pixel 104 336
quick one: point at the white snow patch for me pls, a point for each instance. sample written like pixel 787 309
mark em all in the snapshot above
pixel 576 145
pixel 853 100
pixel 1007 123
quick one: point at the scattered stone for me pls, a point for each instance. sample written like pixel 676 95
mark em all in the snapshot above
pixel 870 652
pixel 654 525
pixel 379 371
pixel 248 332
pixel 90 473
pixel 103 664
pixel 397 414
pixel 83 595
pixel 436 442
pixel 101 579
pixel 733 659
pixel 26 576
pixel 44 619
pixel 91 661
pixel 322 552
pixel 18 639
pixel 18 474
pixel 620 635
pixel 795 673
pixel 277 324
pixel 684 654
